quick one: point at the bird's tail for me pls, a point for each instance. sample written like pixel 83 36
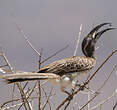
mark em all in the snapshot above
pixel 27 76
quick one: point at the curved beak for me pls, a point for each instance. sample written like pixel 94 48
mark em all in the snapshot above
pixel 97 28
pixel 97 35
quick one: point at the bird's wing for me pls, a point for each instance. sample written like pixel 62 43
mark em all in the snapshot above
pixel 68 65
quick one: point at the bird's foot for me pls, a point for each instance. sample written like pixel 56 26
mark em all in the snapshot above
pixel 67 93
pixel 81 87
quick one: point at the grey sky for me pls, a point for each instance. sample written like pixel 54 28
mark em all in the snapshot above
pixel 51 25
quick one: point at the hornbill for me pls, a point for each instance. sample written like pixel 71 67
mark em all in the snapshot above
pixel 68 68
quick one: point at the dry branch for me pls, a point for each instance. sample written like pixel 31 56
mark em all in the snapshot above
pixel 115 106
pixel 78 40
pixel 102 102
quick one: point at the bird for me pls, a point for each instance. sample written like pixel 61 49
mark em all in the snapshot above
pixel 76 66
pixel 72 67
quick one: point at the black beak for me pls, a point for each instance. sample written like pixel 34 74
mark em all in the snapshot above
pixel 97 28
pixel 88 44
pixel 97 36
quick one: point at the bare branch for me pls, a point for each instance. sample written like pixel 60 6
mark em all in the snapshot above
pixel 98 90
pixel 101 65
pixel 7 62
pixel 102 102
pixel 12 106
pixel 13 91
pixel 39 84
pixel 18 85
pixel 9 101
pixel 78 40
pixel 89 96
pixel 22 95
pixel 28 96
pixel 25 37
pixel 24 98
pixel 48 98
pixel 115 106
pixel 55 54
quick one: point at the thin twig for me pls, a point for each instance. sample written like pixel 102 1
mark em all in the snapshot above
pixel 101 65
pixel 29 93
pixel 47 100
pixel 25 37
pixel 67 105
pixel 18 85
pixel 78 40
pixel 25 85
pixel 115 106
pixel 13 91
pixel 89 95
pixel 39 85
pixel 9 65
pixel 9 101
pixel 55 54
pixel 24 98
pixel 22 95
pixel 102 102
pixel 98 90
pixel 12 106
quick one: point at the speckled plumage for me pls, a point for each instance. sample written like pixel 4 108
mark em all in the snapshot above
pixel 69 65
pixel 69 69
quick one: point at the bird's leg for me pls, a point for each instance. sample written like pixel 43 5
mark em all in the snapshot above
pixel 63 90
pixel 70 97
pixel 80 86
pixel 67 93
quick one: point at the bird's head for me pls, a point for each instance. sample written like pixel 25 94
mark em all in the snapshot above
pixel 88 44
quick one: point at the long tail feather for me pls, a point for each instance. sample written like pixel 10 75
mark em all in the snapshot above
pixel 25 76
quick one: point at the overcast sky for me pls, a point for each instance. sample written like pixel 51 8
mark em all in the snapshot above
pixel 51 25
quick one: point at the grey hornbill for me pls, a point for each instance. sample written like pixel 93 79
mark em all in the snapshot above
pixel 70 68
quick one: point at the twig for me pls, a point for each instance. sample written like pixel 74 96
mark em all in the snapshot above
pixel 89 95
pixel 39 85
pixel 78 40
pixel 48 97
pixel 5 59
pixel 115 106
pixel 25 85
pixel 102 102
pixel 10 67
pixel 12 106
pixel 18 85
pixel 22 95
pixel 24 98
pixel 13 90
pixel 68 99
pixel 67 105
pixel 55 54
pixel 25 37
pixel 9 101
pixel 13 100
pixel 113 52
pixel 29 93
pixel 98 90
